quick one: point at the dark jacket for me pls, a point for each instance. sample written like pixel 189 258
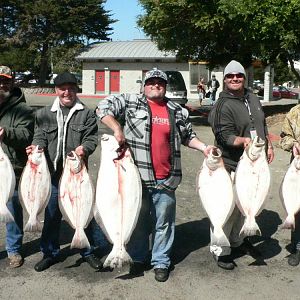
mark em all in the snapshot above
pixel 17 119
pixel 209 84
pixel 230 118
pixel 58 137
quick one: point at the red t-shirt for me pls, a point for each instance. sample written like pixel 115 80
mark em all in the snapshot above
pixel 160 139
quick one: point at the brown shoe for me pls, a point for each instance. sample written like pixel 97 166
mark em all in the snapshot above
pixel 15 260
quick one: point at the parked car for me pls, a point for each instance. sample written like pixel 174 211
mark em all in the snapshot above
pixel 19 78
pixel 281 92
pixel 176 90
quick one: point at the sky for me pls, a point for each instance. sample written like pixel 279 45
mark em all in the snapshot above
pixel 126 11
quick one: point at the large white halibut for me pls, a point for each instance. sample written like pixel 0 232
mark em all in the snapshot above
pixel 76 198
pixel 118 199
pixel 35 188
pixel 252 182
pixel 216 194
pixel 7 186
pixel 290 192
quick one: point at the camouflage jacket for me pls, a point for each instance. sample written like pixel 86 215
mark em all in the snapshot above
pixel 290 132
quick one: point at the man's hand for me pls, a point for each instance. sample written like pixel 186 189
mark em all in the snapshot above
pixel 296 149
pixel 80 151
pixel 30 149
pixel 120 137
pixel 270 155
pixel 208 149
pixel 241 141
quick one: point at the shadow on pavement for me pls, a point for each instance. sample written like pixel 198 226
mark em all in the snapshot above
pixel 268 222
pixel 189 237
pixel 33 246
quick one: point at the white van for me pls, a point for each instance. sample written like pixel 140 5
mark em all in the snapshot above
pixel 176 89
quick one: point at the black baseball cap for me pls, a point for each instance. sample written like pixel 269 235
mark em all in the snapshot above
pixel 65 77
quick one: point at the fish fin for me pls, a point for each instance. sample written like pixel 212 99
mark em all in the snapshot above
pixel 5 215
pixel 250 227
pixel 289 222
pixel 80 240
pixel 33 225
pixel 219 238
pixel 117 258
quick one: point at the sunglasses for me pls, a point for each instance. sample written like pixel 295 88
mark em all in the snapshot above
pixel 238 76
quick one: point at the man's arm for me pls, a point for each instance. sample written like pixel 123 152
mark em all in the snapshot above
pixel 115 126
pixel 195 143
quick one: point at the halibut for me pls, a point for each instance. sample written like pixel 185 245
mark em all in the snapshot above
pixel 35 189
pixel 7 186
pixel 252 182
pixel 290 192
pixel 216 194
pixel 76 198
pixel 118 199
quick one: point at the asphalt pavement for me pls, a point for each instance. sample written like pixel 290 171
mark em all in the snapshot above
pixel 195 274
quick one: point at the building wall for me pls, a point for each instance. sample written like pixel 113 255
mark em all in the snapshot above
pixel 131 72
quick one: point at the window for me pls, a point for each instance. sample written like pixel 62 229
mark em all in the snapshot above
pixel 198 70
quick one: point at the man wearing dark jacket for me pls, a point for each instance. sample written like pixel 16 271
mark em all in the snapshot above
pixel 236 118
pixel 213 85
pixel 16 131
pixel 67 125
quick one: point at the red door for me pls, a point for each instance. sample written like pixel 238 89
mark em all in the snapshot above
pixel 114 81
pixel 100 81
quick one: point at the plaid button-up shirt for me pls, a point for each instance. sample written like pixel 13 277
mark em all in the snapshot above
pixel 134 114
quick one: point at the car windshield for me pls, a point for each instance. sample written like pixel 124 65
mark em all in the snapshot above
pixel 176 81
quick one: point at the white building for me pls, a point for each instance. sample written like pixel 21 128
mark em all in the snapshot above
pixel 115 67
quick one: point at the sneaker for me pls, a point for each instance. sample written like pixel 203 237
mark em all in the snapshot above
pixel 247 248
pixel 94 261
pixel 45 263
pixel 136 269
pixel 225 262
pixel 294 259
pixel 15 260
pixel 161 274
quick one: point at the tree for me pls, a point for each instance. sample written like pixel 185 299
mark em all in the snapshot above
pixel 218 31
pixel 42 25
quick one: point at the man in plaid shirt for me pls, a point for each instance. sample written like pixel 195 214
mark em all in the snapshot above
pixel 154 128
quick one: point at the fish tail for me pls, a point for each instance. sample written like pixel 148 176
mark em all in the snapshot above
pixel 289 222
pixel 117 258
pixel 219 238
pixel 80 240
pixel 33 225
pixel 5 215
pixel 250 227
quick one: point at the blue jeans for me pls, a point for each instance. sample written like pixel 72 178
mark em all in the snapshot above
pixel 212 97
pixel 159 206
pixel 50 234
pixel 14 230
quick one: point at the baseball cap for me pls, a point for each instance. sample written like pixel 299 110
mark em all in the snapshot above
pixel 155 73
pixel 65 77
pixel 5 71
pixel 234 67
